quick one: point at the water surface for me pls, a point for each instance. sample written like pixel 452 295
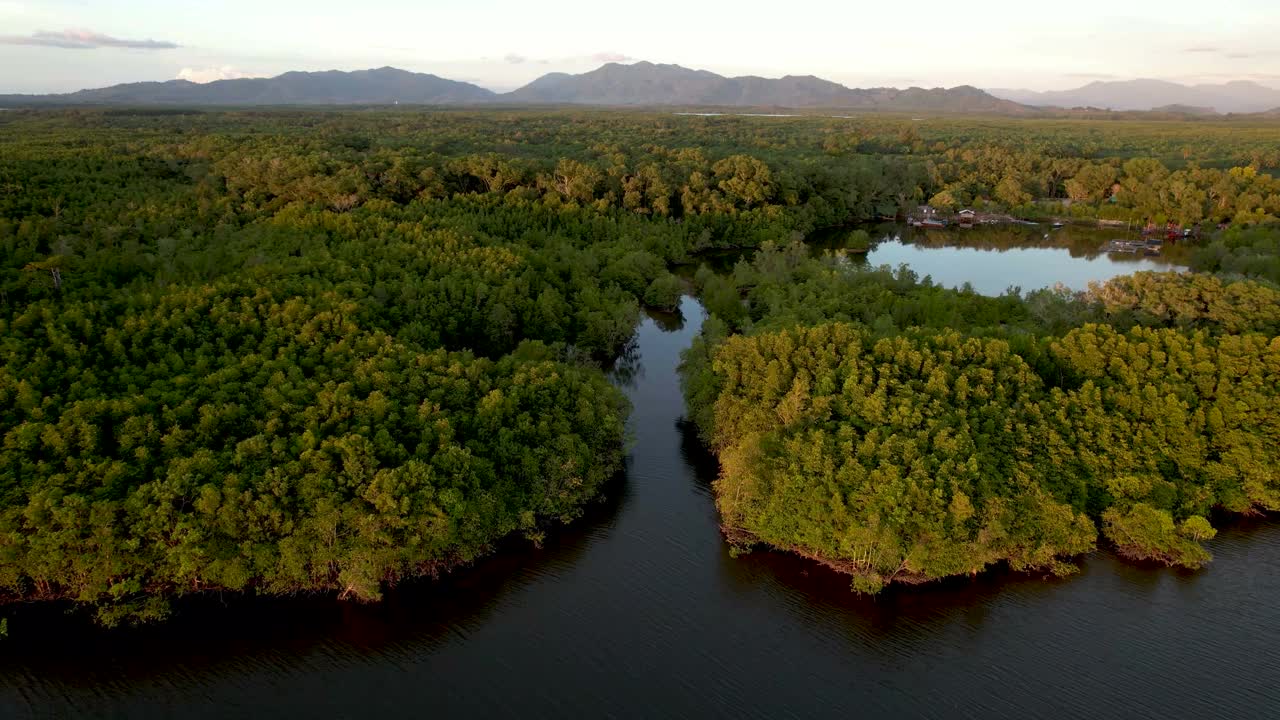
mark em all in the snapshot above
pixel 995 258
pixel 638 610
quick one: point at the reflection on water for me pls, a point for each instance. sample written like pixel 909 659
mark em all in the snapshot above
pixel 638 610
pixel 994 258
pixel 666 321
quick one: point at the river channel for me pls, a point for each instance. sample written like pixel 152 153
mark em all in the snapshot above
pixel 638 610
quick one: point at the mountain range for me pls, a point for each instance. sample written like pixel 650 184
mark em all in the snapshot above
pixel 646 83
pixel 361 87
pixel 637 84
pixel 1240 96
pixel 650 84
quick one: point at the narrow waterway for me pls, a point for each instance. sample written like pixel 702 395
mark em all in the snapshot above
pixel 638 610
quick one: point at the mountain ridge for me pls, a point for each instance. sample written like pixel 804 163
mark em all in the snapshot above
pixel 637 84
pixel 384 85
pixel 646 83
pixel 1142 94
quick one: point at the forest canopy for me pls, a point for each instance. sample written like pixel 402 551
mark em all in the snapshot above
pixel 290 350
pixel 899 431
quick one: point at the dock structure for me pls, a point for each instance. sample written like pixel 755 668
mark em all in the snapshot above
pixel 1123 246
pixel 1133 247
pixel 926 216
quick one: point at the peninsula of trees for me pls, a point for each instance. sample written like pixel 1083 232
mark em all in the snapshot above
pixel 899 431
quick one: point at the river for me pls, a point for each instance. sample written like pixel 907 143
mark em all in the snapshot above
pixel 638 610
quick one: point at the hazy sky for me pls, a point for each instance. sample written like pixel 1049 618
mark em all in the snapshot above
pixel 63 45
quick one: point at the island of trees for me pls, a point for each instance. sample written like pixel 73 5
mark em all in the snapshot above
pixel 284 351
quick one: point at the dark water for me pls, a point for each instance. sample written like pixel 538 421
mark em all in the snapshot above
pixel 639 611
pixel 994 258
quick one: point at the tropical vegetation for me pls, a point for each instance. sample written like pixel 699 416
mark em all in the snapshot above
pixel 900 431
pixel 284 350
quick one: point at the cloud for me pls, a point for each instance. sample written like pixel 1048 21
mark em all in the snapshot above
pixel 597 58
pixel 1229 54
pixel 209 74
pixel 1239 76
pixel 605 57
pixel 83 40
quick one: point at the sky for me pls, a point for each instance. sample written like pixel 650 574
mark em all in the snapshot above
pixel 67 45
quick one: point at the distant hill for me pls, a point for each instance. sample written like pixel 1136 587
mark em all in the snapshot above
pixel 639 84
pixel 1240 96
pixel 382 86
pixel 646 83
pixel 615 84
